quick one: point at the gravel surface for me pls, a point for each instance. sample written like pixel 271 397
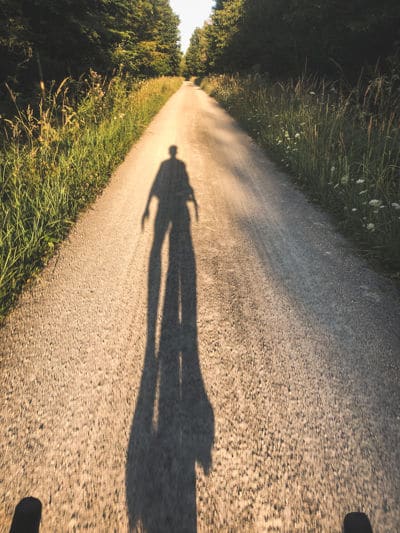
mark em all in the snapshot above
pixel 239 372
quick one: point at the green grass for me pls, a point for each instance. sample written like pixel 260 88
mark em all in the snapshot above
pixel 55 161
pixel 342 146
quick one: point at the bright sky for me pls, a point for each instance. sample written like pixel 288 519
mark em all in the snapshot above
pixel 192 13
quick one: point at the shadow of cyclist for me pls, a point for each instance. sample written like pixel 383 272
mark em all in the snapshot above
pixel 173 424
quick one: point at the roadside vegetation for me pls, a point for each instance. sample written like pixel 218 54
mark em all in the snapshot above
pixel 55 161
pixel 323 98
pixel 343 147
pixel 79 82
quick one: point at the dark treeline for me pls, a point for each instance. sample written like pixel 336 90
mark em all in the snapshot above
pixel 283 37
pixel 49 40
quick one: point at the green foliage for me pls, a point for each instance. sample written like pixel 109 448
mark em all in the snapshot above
pixel 344 148
pixel 282 37
pixel 44 39
pixel 222 34
pixel 56 160
pixel 196 55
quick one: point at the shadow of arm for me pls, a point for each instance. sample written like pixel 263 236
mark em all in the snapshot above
pixel 154 191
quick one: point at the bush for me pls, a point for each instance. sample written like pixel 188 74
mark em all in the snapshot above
pixel 342 145
pixel 55 160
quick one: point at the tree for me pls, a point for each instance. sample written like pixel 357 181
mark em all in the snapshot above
pixel 283 36
pixel 196 55
pixel 220 35
pixel 44 38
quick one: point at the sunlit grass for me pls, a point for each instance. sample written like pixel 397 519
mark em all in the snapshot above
pixel 55 160
pixel 342 146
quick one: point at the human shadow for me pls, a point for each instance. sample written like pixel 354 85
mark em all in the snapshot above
pixel 173 424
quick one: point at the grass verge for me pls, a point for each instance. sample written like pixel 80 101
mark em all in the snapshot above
pixel 342 146
pixel 55 160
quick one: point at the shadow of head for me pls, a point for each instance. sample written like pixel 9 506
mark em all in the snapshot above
pixel 356 523
pixel 173 150
pixel 27 516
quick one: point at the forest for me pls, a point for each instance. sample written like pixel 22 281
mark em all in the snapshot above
pixel 43 40
pixel 288 37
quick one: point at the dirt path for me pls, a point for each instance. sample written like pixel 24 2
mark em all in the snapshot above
pixel 239 372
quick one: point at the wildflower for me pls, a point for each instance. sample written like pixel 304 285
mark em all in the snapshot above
pixel 354 209
pixel 374 203
pixel 344 180
pixel 333 169
pixel 370 226
pixel 395 205
pixel 297 135
pixel 362 192
pixel 360 181
pixel 312 93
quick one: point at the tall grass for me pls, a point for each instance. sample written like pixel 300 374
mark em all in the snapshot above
pixel 54 160
pixel 343 146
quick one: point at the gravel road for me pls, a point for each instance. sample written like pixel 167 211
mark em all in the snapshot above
pixel 235 371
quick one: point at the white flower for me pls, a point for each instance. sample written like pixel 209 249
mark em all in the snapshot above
pixel 371 226
pixel 360 181
pixel 374 203
pixel 354 209
pixel 344 180
pixel 333 169
pixel 312 92
pixel 395 205
pixel 297 135
pixel 362 192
